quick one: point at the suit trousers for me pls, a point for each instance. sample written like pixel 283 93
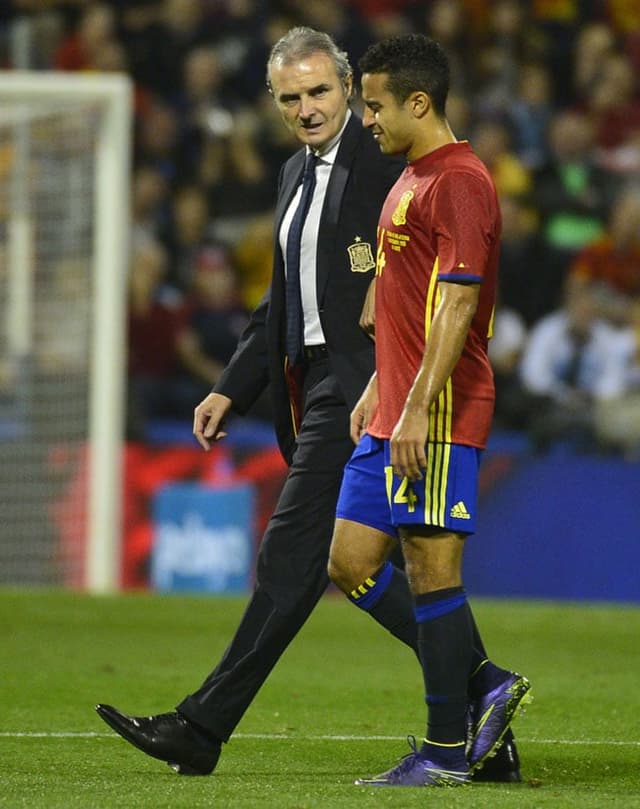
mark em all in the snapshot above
pixel 291 571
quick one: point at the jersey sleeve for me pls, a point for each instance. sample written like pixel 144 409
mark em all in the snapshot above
pixel 464 217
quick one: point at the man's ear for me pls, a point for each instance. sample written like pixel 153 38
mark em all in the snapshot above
pixel 348 85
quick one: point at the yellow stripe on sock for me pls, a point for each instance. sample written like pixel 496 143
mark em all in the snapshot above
pixel 442 744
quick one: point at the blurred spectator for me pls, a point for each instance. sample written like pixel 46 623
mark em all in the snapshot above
pixel 491 141
pixel 571 192
pixel 149 204
pixel 156 318
pixel 447 21
pixel 593 43
pixel 613 106
pixel 253 257
pixel 156 139
pixel 215 320
pixel 509 40
pixel 202 112
pixel 81 48
pixel 530 114
pixel 559 20
pixel 617 420
pixel 248 76
pixel 157 47
pixel 186 235
pixel 571 360
pixel 527 282
pixel 505 351
pixel 243 41
pixel 611 266
pixel 236 174
pixel 342 21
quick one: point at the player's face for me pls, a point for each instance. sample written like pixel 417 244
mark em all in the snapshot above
pixel 389 121
pixel 311 98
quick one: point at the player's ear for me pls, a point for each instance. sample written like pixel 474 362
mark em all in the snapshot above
pixel 419 103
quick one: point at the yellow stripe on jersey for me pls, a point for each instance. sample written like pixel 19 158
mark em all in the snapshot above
pixel 491 323
pixel 380 257
pixel 441 411
pixel 431 302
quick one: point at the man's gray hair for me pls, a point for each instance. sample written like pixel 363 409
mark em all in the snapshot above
pixel 301 42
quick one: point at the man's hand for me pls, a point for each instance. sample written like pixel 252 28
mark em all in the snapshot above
pixel 362 412
pixel 367 320
pixel 208 418
pixel 407 443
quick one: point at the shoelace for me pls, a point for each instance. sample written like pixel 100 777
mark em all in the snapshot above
pixel 407 761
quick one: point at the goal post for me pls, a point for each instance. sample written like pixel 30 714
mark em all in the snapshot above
pixel 72 133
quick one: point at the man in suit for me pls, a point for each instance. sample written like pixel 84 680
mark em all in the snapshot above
pixel 305 341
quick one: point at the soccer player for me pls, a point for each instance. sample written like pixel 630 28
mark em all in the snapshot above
pixel 425 415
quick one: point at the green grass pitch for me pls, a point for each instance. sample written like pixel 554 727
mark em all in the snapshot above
pixel 339 705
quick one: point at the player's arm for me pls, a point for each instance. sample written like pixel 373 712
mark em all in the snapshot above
pixel 363 410
pixel 447 336
pixel 367 320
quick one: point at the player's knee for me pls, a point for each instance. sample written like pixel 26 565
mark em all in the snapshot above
pixel 343 568
pixel 338 570
pixel 347 571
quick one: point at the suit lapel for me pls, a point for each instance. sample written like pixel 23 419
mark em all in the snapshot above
pixel 291 178
pixel 289 181
pixel 329 219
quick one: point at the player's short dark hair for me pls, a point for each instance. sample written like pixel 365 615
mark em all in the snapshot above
pixel 413 62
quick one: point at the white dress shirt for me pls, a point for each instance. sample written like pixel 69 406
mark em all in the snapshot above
pixel 313 334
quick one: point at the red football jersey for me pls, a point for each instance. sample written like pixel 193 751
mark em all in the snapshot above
pixel 440 222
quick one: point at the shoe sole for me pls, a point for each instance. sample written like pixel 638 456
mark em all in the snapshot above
pixel 520 697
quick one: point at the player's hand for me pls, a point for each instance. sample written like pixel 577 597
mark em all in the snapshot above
pixel 362 412
pixel 407 444
pixel 367 320
pixel 208 419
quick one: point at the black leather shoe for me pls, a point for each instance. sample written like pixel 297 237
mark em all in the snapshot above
pixel 504 767
pixel 167 736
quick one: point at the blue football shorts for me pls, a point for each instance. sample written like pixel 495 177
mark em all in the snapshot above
pixel 446 497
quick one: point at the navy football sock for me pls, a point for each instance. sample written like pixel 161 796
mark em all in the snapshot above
pixel 445 644
pixel 386 597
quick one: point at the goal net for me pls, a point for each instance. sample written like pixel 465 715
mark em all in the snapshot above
pixel 64 201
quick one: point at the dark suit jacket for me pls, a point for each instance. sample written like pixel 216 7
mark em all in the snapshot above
pixel 360 179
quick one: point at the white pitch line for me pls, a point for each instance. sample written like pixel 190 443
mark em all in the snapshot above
pixel 321 737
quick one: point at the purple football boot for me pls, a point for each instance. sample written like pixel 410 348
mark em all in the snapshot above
pixel 491 714
pixel 416 771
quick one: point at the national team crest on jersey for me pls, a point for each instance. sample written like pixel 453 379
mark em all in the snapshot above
pixel 399 216
pixel 361 256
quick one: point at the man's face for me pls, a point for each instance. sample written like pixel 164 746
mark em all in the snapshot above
pixel 388 121
pixel 311 98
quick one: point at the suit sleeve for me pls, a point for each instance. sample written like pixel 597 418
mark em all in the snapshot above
pixel 247 373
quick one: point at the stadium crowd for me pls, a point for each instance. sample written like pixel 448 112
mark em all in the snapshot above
pixel 546 92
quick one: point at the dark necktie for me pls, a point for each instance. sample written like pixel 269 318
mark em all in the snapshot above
pixel 295 317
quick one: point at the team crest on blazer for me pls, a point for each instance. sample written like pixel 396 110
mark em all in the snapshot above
pixel 361 256
pixel 399 216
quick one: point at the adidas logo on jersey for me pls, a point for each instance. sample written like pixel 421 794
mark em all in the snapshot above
pixel 459 511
